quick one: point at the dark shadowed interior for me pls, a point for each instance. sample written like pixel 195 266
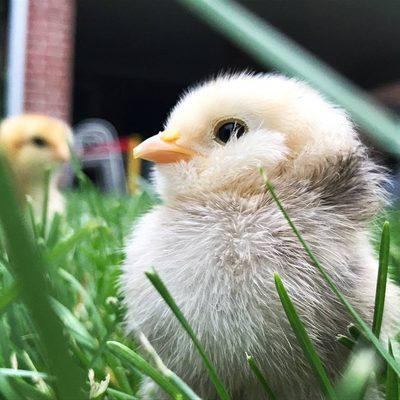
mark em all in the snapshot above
pixel 133 58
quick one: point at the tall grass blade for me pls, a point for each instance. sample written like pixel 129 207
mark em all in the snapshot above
pixel 260 377
pixel 362 324
pixel 382 279
pixel 129 356
pixel 29 271
pixel 392 381
pixel 45 205
pixel 276 51
pixel 304 340
pixel 162 289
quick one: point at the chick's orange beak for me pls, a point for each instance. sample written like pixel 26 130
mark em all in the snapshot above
pixel 62 154
pixel 161 148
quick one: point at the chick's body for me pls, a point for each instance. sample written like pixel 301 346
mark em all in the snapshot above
pixel 219 237
pixel 33 144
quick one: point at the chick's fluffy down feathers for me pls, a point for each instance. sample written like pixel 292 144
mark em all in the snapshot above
pixel 219 237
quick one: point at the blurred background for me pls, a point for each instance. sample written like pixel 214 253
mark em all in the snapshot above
pixel 124 63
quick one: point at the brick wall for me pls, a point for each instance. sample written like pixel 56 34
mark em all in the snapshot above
pixel 50 41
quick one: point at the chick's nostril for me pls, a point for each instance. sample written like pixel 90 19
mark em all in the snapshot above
pixel 169 136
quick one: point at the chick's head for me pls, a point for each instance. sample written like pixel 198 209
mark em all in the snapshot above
pixel 222 131
pixel 33 143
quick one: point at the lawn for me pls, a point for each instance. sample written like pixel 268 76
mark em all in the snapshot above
pixel 78 258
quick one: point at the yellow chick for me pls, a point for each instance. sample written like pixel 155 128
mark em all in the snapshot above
pixel 34 143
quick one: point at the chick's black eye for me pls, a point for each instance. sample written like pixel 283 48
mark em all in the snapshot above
pixel 228 129
pixel 39 142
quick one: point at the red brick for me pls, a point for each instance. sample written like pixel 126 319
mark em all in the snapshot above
pixel 48 80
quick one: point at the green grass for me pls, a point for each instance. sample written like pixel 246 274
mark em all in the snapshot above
pixel 78 261
pixel 61 314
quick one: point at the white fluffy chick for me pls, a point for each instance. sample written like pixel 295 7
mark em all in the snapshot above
pixel 32 144
pixel 218 237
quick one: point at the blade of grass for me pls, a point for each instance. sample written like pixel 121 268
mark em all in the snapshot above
pixel 143 203
pixel 275 50
pixel 382 279
pixel 32 218
pixel 6 390
pixel 28 391
pixel 178 382
pixel 76 168
pixel 125 353
pixel 40 381
pixel 21 373
pixel 76 328
pixel 260 377
pixel 120 395
pixel 354 331
pixel 354 383
pixel 30 274
pixel 392 380
pixel 363 325
pixel 100 349
pixel 304 340
pixel 163 291
pixel 8 296
pixel 120 374
pixel 80 355
pixel 45 205
pixel 87 299
pixel 63 247
pixel 54 230
pixel 345 341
